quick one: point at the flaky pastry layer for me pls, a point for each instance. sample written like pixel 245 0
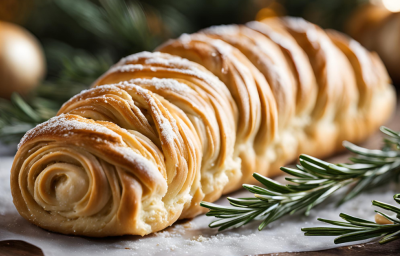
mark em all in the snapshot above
pixel 160 132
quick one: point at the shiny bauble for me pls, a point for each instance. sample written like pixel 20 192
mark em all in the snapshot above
pixel 22 63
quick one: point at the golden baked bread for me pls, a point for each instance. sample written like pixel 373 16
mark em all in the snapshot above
pixel 160 132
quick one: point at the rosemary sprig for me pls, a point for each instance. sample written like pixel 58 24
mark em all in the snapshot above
pixel 314 181
pixel 356 229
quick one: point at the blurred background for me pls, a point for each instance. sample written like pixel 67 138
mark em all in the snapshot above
pixel 52 49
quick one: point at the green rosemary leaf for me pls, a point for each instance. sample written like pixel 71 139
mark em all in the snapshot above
pixel 314 160
pixel 259 190
pixel 243 201
pixel 386 206
pixel 361 167
pixel 357 221
pixel 325 231
pixel 358 188
pixel 390 132
pixel 269 219
pixel 397 198
pixel 322 197
pixel 390 237
pixel 360 235
pixel 337 223
pixel 271 184
pixel 370 160
pixel 302 187
pixel 297 173
pixel 314 169
pixel 223 208
pixel 307 181
pixel 362 229
pixel 369 152
pixel 312 183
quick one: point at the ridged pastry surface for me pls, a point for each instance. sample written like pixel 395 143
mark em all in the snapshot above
pixel 160 132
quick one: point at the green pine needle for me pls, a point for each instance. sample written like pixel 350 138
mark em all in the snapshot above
pixel 18 115
pixel 313 182
pixel 117 28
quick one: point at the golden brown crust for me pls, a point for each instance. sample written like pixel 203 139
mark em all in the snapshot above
pixel 157 134
pixel 268 58
pixel 256 105
pixel 305 84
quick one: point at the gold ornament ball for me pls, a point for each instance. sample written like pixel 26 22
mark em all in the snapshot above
pixel 22 63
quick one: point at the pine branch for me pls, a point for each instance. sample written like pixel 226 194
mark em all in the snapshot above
pixel 356 229
pixel 312 183
pixel 18 115
pixel 125 25
pixel 121 27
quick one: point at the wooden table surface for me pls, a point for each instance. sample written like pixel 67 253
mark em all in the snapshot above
pixel 21 248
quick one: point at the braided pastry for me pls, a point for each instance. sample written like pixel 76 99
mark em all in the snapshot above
pixel 160 132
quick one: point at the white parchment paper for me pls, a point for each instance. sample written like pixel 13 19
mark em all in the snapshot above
pixel 186 238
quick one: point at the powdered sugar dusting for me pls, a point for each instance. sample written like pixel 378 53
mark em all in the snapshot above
pixel 141 163
pixel 176 62
pixel 143 55
pixel 298 24
pixel 127 68
pixel 101 89
pixel 172 63
pixel 185 38
pixel 65 125
pixel 206 77
pixel 154 58
pixel 166 129
pixel 302 26
pixel 166 126
pixel 282 40
pixel 222 29
pixel 162 83
pixel 184 66
pixel 222 47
